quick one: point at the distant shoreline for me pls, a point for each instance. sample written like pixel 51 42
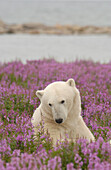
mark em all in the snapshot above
pixel 37 28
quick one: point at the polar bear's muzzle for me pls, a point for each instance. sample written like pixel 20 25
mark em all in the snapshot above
pixel 59 114
pixel 59 120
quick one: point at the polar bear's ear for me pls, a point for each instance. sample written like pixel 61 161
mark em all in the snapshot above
pixel 71 82
pixel 39 93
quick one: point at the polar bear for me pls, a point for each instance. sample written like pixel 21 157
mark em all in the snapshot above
pixel 60 109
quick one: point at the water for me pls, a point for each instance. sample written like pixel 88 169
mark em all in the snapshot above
pixel 62 48
pixel 56 12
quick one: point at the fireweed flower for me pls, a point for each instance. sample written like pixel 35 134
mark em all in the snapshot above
pixel 54 163
pixel 18 84
pixel 70 166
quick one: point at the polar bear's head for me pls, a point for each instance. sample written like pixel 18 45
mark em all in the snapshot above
pixel 57 99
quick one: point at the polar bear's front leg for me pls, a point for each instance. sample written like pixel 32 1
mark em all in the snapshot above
pixel 36 119
pixel 53 132
pixel 83 131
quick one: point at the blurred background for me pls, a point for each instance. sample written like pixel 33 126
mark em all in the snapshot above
pixel 65 30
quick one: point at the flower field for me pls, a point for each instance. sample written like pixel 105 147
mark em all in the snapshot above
pixel 18 84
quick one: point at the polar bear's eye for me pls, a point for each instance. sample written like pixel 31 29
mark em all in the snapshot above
pixel 50 104
pixel 63 101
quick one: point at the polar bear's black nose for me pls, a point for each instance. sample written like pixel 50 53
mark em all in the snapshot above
pixel 59 121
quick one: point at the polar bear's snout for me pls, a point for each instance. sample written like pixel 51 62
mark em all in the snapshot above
pixel 59 113
pixel 59 120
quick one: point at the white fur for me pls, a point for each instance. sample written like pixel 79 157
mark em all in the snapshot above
pixel 52 108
